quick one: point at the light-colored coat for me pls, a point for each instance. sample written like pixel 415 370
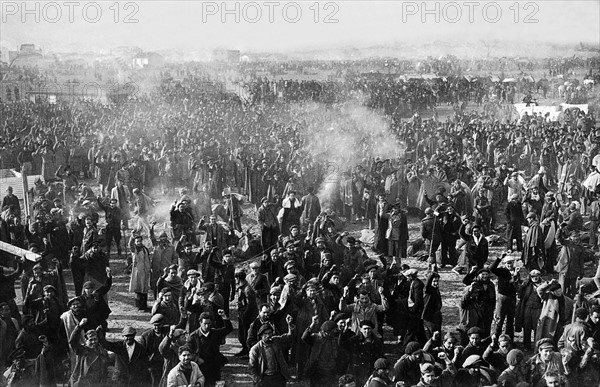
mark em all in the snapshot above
pixel 140 270
pixel 177 378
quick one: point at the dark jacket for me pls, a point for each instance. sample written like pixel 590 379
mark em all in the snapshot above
pixel 129 372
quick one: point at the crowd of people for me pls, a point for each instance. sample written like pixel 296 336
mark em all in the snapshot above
pixel 311 303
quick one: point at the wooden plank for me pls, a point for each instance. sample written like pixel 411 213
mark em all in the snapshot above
pixel 19 252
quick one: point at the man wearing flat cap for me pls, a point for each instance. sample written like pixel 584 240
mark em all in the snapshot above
pixel 397 233
pixel 366 348
pixel 545 360
pixel 321 366
pixel 478 300
pixel 506 299
pixel 131 359
pixel 514 220
pixel 90 365
pixel 529 307
pixel 570 262
pixel 163 256
pixel 267 365
pixel 247 309
pixel 151 340
pixel 269 225
pixel 433 375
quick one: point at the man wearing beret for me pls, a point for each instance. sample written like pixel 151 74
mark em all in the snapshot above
pixel 433 375
pixel 407 368
pixel 366 347
pixel 131 359
pixel 151 340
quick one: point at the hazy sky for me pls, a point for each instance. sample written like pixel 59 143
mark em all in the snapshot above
pixel 288 25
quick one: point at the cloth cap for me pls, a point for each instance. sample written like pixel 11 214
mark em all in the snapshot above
pixel 49 287
pixel 320 239
pixel 89 285
pixel 484 270
pixel 410 272
pixel 535 272
pixel 157 318
pixel 514 357
pixel 381 364
pixel 428 368
pixel 276 289
pixel 545 343
pixel 128 331
pixel 474 331
pixel 472 360
pixel 289 264
pixel 294 226
pixel 72 300
pixel 508 258
pixel 255 265
pixel 338 317
pixel 265 328
pixel 290 278
pixel 328 326
pixel 371 267
pixel 412 347
pixel 193 272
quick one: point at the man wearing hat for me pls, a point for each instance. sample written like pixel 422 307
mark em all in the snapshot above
pixel 366 348
pixel 258 282
pixel 182 221
pixel 140 272
pixel 478 300
pixel 311 208
pixel 474 373
pixel 544 361
pixel 380 376
pixel 407 368
pixel 114 218
pixel 169 348
pixel 354 256
pixel 570 262
pixel 534 250
pixel 514 374
pixel 205 343
pixel 269 225
pixel 433 375
pixel 267 365
pixel 397 233
pixel 292 210
pixel 506 298
pixel 247 309
pixel 151 340
pixel 187 258
pixel 163 256
pixel 131 359
pixel 514 220
pixel 215 233
pixel 321 366
pixel 91 359
pixel 529 307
